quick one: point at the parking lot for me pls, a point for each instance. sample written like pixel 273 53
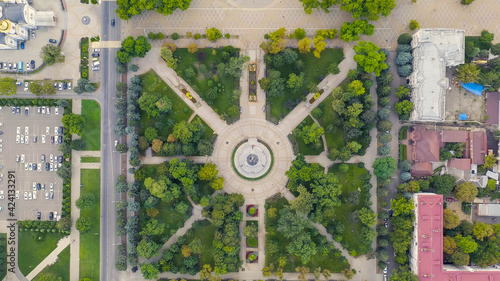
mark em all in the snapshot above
pixel 19 152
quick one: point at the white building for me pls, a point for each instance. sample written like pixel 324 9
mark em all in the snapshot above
pixel 17 17
pixel 433 51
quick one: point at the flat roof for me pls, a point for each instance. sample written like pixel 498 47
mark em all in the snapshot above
pixel 492 106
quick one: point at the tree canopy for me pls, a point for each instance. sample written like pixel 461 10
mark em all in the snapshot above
pixel 8 86
pixel 51 54
pixel 384 167
pixel 74 122
pixel 466 191
pixel 369 57
pixel 127 9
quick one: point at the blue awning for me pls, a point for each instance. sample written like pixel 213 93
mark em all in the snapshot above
pixel 474 88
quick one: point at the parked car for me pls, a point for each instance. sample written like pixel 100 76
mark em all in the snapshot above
pixel 60 159
pixel 56 110
pixel 32 64
pixel 43 110
pixel 43 157
pixel 53 41
pixel 43 138
pixel 95 55
pixel 33 34
pixel 113 22
pixel 47 166
pixel 450 199
pixel 51 216
pixel 70 85
pixel 60 86
pixel 22 45
pixel 38 215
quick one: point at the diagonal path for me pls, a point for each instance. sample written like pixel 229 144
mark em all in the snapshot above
pixel 300 112
pixel 154 61
pixel 51 258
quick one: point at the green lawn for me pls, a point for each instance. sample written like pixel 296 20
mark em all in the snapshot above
pixel 92 133
pixel 200 82
pixel 309 149
pixel 60 269
pixel 208 132
pixel 91 159
pixel 151 82
pixel 3 254
pixel 350 181
pixel 252 242
pixel 34 247
pixel 314 70
pixel 334 134
pixel 90 241
pixel 173 220
pixel 334 261
pixel 205 232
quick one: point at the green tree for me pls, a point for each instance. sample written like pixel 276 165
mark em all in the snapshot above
pixel 402 92
pixel 304 46
pixel 404 107
pixel 449 245
pixel 384 167
pixel 85 202
pixel 319 45
pixel 213 34
pixel 147 248
pixel 414 24
pixel 8 86
pixel 235 66
pixel 311 133
pixel 443 184
pixel 196 246
pixel 370 9
pixel 83 224
pixel 155 104
pixel 367 216
pixel 468 73
pixel 153 227
pixel 299 33
pixel 74 122
pixel 459 258
pixel 149 271
pixel 303 247
pixel 450 220
pixel 217 183
pixel 403 275
pixel 369 57
pixel 489 161
pixel 486 39
pixel 482 230
pixel 466 244
pixel 295 82
pixel 466 191
pixel 167 55
pixel 51 54
pixel 304 203
pixel 495 49
pixel 64 224
pixel 402 207
pixel 208 172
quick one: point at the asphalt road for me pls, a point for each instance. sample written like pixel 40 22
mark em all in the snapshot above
pixel 110 158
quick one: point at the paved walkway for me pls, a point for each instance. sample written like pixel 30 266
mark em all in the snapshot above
pixel 51 258
pixel 253 109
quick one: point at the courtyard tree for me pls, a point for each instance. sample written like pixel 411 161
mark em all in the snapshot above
pixel 466 244
pixel 74 122
pixel 489 161
pixel 369 57
pixel 149 271
pixel 403 274
pixel 208 172
pixel 404 107
pixel 311 133
pixel 414 24
pixel 303 247
pixel 482 230
pixel 167 55
pixel 299 33
pixel 443 184
pixel 468 73
pixel 466 191
pixel 127 9
pixel 277 43
pixel 319 45
pixel 147 248
pixel 153 227
pixel 51 54
pixel 450 220
pixel 235 66
pixel 459 258
pixel 251 231
pixel 304 203
pixel 449 245
pixel 213 34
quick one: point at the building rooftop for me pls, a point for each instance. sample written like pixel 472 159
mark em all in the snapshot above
pixel 492 106
pixel 433 51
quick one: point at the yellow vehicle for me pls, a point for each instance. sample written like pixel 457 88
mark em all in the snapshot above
pixel 189 96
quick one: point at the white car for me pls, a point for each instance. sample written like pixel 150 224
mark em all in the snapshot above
pixel 22 158
pixel 51 157
pixel 57 110
pixel 22 138
pixel 25 195
pixel 34 195
pixel 56 130
pixel 26 166
pixel 30 196
pixel 46 196
pixel 17 194
pixel 43 110
pixel 43 138
pixel 18 138
pixel 34 185
pixel 27 140
pixel 18 130
pixel 18 158
pixel 47 131
pixel 26 130
pixel 39 167
pixel 30 167
pixel 48 110
pixel 51 186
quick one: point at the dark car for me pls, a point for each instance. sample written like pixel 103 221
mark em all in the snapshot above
pixel 1 132
pixel 27 111
pixel 38 186
pixel 38 215
pixel 61 130
pixel 51 216
pixel 65 86
pixel 32 64
pixel 60 159
pixel 1 65
pixel 53 41
pixel 34 168
pixel 95 55
pixel 47 166
pixel 13 110
pixel 113 22
pixel 59 139
pixel 51 139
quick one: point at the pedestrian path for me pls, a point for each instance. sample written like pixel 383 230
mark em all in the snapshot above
pixel 51 258
pixel 301 111
pixel 159 160
pixel 253 109
pixel 90 165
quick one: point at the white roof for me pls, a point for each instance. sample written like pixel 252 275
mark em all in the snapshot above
pixel 491 210
pixel 492 175
pixel 434 50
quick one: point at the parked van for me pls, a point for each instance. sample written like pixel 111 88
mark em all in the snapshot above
pixel 21 66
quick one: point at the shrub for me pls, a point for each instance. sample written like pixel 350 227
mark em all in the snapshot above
pixel 405 176
pixel 197 36
pixel 483 54
pixel 227 35
pixel 404 58
pixel 175 36
pixel 404 38
pixel 466 2
pixel 414 24
pixel 385 101
pixel 404 48
pixel 405 70
pixel 384 150
pixel 495 49
pixel 385 138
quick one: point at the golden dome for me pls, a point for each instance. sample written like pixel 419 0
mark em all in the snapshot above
pixel 5 26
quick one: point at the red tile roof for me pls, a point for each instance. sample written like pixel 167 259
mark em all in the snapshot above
pixel 492 105
pixel 478 147
pixel 460 163
pixel 430 245
pixel 426 144
pixel 455 136
pixel 421 169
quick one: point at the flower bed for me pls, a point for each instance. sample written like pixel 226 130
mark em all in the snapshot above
pixel 252 256
pixel 252 211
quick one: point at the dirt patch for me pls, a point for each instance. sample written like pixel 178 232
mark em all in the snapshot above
pixel 456 207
